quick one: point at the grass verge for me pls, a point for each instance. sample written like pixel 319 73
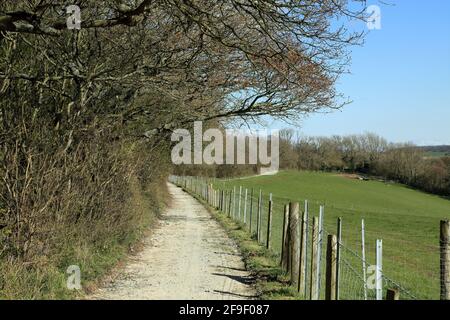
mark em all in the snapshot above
pixel 406 220
pixel 45 277
pixel 270 281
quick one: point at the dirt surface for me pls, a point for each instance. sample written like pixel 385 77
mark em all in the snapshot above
pixel 348 175
pixel 189 256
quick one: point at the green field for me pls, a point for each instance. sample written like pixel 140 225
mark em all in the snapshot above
pixel 437 154
pixel 406 220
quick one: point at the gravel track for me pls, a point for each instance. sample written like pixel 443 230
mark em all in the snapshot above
pixel 189 256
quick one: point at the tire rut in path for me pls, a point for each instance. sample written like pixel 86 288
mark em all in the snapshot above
pixel 189 256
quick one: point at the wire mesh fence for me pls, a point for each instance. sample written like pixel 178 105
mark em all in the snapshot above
pixel 366 267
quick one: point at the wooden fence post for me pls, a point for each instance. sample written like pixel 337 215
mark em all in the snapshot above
pixel 392 294
pixel 445 259
pixel 230 198
pixel 338 256
pixel 234 202
pixel 285 240
pixel 240 199
pixel 210 195
pixel 307 232
pixel 219 199
pixel 330 287
pixel 211 200
pixel 302 264
pixel 363 255
pixel 314 246
pixel 251 212
pixel 258 221
pixel 224 201
pixel 228 202
pixel 294 243
pixel 319 250
pixel 379 270
pixel 245 206
pixel 269 222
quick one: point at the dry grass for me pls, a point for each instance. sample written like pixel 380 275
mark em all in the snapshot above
pixel 88 209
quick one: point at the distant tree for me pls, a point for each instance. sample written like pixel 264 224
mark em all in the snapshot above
pixel 288 155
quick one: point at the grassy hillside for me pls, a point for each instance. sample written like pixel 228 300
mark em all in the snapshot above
pixel 406 220
pixel 436 151
pixel 437 154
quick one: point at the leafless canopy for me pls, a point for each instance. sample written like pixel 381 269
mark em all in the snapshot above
pixel 70 98
pixel 212 58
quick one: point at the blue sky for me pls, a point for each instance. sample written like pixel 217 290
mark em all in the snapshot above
pixel 400 81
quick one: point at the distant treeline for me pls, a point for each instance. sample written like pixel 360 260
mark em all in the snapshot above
pixel 366 154
pixel 443 149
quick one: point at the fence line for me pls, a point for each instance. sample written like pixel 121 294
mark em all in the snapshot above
pixel 336 272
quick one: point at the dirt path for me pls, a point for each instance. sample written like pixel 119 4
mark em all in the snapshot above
pixel 189 256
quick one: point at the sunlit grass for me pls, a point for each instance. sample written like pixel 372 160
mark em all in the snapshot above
pixel 406 220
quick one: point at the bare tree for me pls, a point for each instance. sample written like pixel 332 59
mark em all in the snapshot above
pixel 84 111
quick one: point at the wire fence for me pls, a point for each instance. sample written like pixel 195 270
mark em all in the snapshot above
pixel 362 271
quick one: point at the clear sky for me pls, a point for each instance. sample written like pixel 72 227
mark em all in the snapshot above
pixel 400 81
